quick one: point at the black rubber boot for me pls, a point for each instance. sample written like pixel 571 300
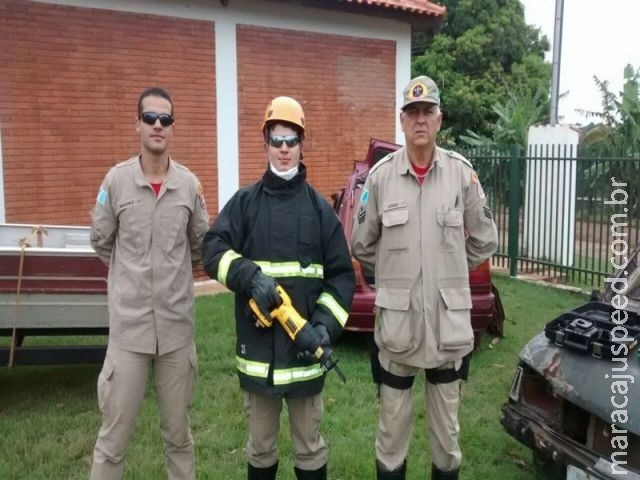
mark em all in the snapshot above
pixel 319 474
pixel 437 474
pixel 255 473
pixel 399 473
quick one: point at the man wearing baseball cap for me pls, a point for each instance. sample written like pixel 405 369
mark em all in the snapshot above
pixel 423 223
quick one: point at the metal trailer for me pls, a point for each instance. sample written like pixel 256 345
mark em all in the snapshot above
pixel 52 283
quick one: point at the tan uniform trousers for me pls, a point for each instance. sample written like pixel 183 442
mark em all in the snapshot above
pixel 263 420
pixel 121 386
pixel 396 420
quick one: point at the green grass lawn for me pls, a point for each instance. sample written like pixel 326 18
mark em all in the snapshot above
pixel 49 415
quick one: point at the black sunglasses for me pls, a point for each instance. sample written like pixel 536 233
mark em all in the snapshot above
pixel 150 118
pixel 276 141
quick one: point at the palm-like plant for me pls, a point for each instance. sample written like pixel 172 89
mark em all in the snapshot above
pixel 618 130
pixel 615 140
pixel 521 110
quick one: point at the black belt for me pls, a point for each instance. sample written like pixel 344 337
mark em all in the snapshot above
pixel 448 375
pixel 434 375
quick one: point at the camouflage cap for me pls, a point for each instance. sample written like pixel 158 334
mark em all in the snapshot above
pixel 420 89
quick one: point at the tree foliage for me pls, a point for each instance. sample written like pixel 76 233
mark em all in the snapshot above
pixel 614 142
pixel 515 115
pixel 483 55
pixel 617 132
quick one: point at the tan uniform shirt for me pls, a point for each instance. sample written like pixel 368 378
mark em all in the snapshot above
pixel 414 236
pixel 150 244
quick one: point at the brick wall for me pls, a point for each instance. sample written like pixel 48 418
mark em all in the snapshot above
pixel 69 83
pixel 70 78
pixel 346 86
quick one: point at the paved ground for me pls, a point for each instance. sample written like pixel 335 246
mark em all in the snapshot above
pixel 209 287
pixel 539 279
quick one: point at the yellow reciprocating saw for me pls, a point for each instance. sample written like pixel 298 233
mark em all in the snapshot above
pixel 301 332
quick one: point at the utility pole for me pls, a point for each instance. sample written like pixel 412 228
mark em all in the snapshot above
pixel 557 51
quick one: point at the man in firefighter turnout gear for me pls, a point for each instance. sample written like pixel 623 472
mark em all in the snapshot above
pixel 281 234
pixel 422 223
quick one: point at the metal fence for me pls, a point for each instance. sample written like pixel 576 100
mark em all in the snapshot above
pixel 561 214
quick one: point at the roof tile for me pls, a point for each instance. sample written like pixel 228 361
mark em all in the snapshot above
pixel 419 7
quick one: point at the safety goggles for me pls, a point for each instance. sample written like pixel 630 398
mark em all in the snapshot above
pixel 276 140
pixel 150 118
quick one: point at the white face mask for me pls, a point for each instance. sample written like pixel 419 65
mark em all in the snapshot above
pixel 288 175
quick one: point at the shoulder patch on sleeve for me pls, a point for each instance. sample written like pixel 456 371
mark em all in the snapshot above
pixel 362 214
pixel 203 204
pixel 457 156
pixel 364 198
pixel 102 197
pixel 362 209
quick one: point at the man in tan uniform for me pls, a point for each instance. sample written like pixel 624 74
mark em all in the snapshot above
pixel 147 226
pixel 422 224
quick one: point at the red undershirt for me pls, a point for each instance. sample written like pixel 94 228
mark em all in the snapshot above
pixel 156 187
pixel 421 172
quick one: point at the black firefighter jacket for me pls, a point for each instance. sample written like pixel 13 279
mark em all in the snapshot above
pixel 288 230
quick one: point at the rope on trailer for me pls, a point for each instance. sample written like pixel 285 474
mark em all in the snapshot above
pixel 23 243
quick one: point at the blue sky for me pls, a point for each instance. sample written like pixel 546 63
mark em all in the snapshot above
pixel 598 38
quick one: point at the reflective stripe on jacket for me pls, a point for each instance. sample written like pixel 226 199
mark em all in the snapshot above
pixel 281 376
pixel 287 230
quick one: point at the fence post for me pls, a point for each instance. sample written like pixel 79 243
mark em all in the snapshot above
pixel 514 210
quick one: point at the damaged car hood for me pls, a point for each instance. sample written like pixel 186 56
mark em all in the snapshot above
pixel 586 380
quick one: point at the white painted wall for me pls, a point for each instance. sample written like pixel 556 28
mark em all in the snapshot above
pixel 227 111
pixel 263 14
pixel 550 195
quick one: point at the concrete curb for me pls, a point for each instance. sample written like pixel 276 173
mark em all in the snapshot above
pixel 209 287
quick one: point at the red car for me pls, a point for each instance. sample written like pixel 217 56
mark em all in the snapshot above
pixel 487 312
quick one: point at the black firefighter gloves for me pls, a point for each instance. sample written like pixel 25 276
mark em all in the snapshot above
pixel 264 293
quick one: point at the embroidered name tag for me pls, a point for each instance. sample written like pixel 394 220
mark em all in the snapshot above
pixel 129 203
pixel 394 205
